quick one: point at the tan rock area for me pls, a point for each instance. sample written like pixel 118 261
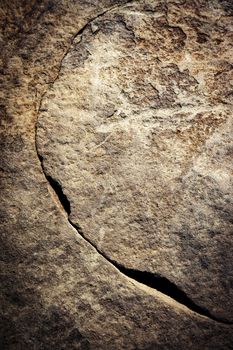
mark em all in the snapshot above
pixel 116 174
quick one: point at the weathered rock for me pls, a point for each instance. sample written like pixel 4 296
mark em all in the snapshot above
pixel 137 131
pixel 57 291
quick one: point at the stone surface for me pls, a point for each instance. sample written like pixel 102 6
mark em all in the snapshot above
pixel 57 291
pixel 137 130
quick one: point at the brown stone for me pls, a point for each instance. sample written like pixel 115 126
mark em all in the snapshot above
pixel 130 199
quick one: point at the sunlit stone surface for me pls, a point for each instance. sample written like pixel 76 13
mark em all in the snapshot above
pixel 137 131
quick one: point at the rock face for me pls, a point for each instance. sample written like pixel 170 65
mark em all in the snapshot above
pixel 137 129
pixel 117 220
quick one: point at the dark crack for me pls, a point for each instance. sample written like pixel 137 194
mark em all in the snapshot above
pixel 58 190
pixel 152 280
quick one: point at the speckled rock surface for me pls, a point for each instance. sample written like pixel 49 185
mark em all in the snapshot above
pixel 137 130
pixel 133 104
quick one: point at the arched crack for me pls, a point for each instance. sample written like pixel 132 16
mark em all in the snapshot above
pixel 152 280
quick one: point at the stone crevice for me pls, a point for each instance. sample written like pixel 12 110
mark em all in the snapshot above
pixel 152 280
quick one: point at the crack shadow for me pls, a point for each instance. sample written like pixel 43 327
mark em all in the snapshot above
pixel 152 280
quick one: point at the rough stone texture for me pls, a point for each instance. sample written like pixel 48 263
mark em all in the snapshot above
pixel 148 88
pixel 137 130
